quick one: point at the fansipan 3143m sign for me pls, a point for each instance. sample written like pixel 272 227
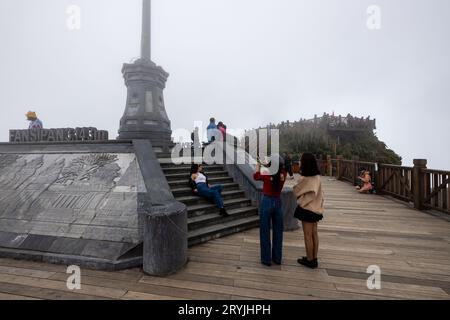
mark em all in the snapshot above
pixel 57 135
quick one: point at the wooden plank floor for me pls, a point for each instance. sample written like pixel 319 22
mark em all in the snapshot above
pixel 410 247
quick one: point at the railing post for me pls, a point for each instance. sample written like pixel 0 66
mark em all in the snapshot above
pixel 355 170
pixel 339 167
pixel 324 168
pixel 418 182
pixel 329 166
pixel 377 176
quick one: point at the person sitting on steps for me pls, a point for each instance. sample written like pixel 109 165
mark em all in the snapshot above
pixel 199 185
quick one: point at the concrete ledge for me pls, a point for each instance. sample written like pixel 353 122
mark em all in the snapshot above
pixel 81 261
pixel 112 146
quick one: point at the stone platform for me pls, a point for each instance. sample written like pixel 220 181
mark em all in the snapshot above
pixel 71 203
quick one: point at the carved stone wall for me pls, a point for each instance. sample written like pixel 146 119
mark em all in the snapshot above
pixel 88 202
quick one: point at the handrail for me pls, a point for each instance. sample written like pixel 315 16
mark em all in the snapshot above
pixel 435 171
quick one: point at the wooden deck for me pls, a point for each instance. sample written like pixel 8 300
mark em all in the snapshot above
pixel 412 249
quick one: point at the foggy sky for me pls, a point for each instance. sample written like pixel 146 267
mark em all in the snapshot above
pixel 246 62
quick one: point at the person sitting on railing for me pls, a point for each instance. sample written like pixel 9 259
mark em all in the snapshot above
pixel 367 182
pixel 199 186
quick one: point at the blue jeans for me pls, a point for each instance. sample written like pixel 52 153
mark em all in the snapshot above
pixel 211 193
pixel 271 213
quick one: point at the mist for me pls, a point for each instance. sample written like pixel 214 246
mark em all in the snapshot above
pixel 247 63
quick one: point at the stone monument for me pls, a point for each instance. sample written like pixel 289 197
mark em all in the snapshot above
pixel 73 197
pixel 145 115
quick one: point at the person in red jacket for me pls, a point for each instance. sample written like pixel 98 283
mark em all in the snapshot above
pixel 271 213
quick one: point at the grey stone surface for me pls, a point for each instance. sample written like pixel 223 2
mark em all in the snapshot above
pixel 103 249
pixel 146 43
pixel 37 242
pixel 11 239
pixel 69 203
pixel 165 225
pixel 165 239
pixel 69 246
pixel 154 179
pixel 114 146
pixel 145 115
pixel 67 259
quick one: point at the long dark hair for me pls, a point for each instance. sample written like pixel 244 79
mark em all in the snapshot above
pixel 276 178
pixel 309 167
pixel 194 168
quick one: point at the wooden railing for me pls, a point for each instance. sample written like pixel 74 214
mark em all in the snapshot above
pixel 395 181
pixel 436 190
pixel 347 170
pixel 425 188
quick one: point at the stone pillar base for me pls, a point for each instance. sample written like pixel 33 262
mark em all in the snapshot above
pixel 165 239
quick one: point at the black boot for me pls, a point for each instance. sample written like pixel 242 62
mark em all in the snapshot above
pixel 223 212
pixel 313 264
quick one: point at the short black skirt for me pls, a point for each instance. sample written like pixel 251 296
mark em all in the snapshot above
pixel 306 215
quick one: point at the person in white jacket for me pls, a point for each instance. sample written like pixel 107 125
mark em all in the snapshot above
pixel 310 200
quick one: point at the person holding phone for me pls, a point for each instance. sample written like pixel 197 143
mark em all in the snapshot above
pixel 271 212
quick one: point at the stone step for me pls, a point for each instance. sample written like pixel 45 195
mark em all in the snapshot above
pixel 210 219
pixel 187 169
pixel 193 199
pixel 164 154
pixel 168 162
pixel 212 181
pixel 185 175
pixel 186 191
pixel 204 220
pixel 206 208
pixel 206 234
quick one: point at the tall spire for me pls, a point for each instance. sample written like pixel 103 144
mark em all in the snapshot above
pixel 146 30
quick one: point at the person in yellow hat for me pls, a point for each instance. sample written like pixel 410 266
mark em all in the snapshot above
pixel 35 123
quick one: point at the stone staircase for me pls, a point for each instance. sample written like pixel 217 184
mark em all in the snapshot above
pixel 204 220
